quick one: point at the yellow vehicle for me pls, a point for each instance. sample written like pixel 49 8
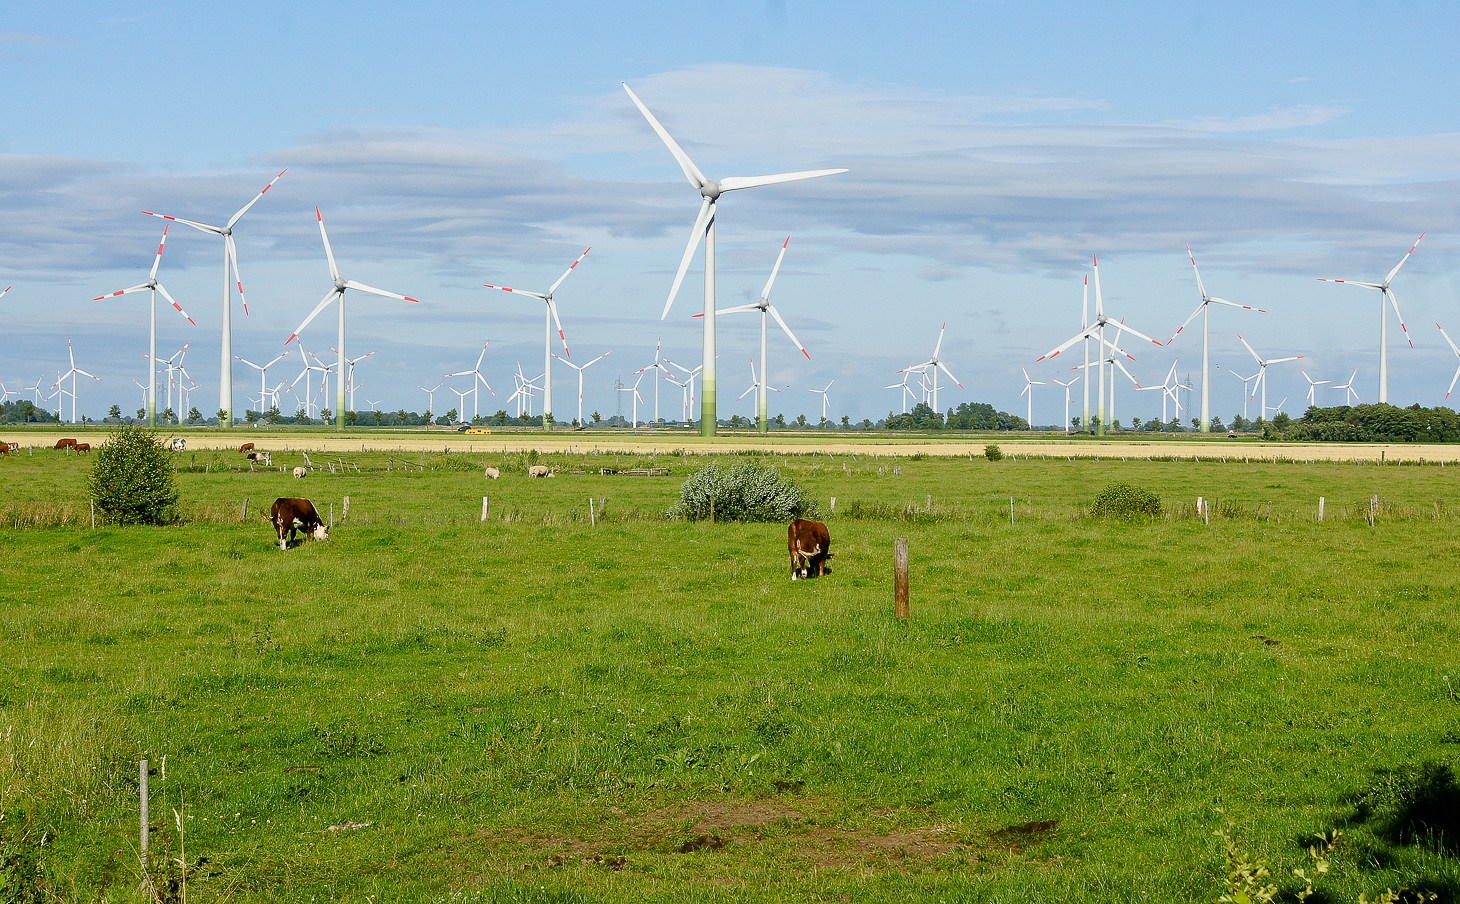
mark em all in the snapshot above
pixel 477 430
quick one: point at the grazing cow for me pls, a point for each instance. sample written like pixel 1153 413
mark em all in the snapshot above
pixel 493 473
pixel 262 458
pixel 178 445
pixel 82 447
pixel 64 443
pixel 246 447
pixel 7 448
pixel 539 471
pixel 810 546
pixel 300 472
pixel 292 515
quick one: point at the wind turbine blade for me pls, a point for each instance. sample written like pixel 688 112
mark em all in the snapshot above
pixel 243 210
pixel 945 370
pixel 1188 320
pixel 691 172
pixel 569 270
pixel 939 347
pixel 776 314
pixel 1453 347
pixel 200 226
pixel 122 292
pixel 1199 287
pixel 1394 301
pixel 1235 305
pixel 553 309
pixel 155 261
pixel 1083 334
pixel 1249 348
pixel 1280 360
pixel 173 302
pixel 738 309
pixel 1452 383
pixel 328 252
pixel 334 293
pixel 707 212
pixel 736 182
pixel 538 295
pixel 1390 277
pixel 1117 363
pixel 231 250
pixel 766 293
pixel 351 284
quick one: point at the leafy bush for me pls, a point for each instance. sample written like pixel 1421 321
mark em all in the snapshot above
pixel 993 453
pixel 1125 502
pixel 132 479
pixel 741 492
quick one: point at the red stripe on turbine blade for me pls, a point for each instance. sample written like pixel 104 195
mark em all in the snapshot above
pixel 806 353
pixel 416 300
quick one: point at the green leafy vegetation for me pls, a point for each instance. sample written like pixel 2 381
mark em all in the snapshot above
pixel 1125 502
pixel 132 479
pixel 741 492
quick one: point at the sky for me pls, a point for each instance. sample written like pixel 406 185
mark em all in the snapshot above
pixel 992 149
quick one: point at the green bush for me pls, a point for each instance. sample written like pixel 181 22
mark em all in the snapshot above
pixel 1125 502
pixel 993 453
pixel 741 492
pixel 132 479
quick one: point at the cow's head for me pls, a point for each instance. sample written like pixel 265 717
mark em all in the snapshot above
pixel 321 531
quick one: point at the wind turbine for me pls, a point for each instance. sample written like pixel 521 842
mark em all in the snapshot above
pixel 635 390
pixel 1204 310
pixel 263 377
pixel 689 375
pixel 934 364
pixel 824 400
pixel 430 399
pixel 339 292
pixel 172 365
pixel 1262 372
pixel 1067 386
pixel 1348 388
pixel 1111 357
pixel 476 373
pixel 764 307
pixel 1386 294
pixel 309 396
pixel 230 277
pixel 72 374
pixel 658 372
pixel 152 286
pixel 350 374
pixel 580 369
pixel 1313 384
pixel 755 382
pixel 704 228
pixel 906 389
pixel 1029 389
pixel 550 317
pixel 462 394
pixel 1246 397
pixel 1457 354
pixel 1097 329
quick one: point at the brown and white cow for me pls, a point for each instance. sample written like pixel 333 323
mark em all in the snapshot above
pixel 810 546
pixel 246 447
pixel 292 515
pixel 261 458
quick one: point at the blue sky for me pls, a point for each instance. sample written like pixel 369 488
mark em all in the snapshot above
pixel 993 148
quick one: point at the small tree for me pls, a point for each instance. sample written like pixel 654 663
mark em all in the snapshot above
pixel 116 413
pixel 132 479
pixel 1126 503
pixel 741 492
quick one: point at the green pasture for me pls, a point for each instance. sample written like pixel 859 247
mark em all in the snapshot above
pixel 548 706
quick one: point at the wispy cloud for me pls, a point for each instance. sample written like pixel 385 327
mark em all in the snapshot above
pixel 1277 119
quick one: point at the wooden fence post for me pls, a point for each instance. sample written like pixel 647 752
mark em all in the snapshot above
pixel 1011 511
pixel 345 515
pixel 486 507
pixel 592 516
pixel 1321 500
pixel 833 501
pixel 93 514
pixel 900 604
pixel 1373 509
pixel 332 516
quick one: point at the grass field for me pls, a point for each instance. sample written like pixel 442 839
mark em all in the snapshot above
pixel 430 707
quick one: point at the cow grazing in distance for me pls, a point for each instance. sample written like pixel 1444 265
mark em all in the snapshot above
pixel 300 472
pixel 7 448
pixel 82 447
pixel 261 458
pixel 539 471
pixel 178 445
pixel 292 515
pixel 493 473
pixel 246 447
pixel 64 443
pixel 810 546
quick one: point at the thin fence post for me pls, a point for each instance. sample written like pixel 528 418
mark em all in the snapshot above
pixel 142 796
pixel 833 505
pixel 345 515
pixel 1321 500
pixel 900 604
pixel 1373 509
pixel 592 516
pixel 486 507
pixel 1206 512
pixel 1011 511
pixel 332 516
pixel 93 514
pixel 243 515
pixel 1200 504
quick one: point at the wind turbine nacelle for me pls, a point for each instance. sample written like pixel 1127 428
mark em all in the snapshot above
pixel 711 190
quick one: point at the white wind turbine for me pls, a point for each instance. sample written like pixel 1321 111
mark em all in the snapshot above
pixel 477 377
pixel 309 396
pixel 1097 330
pixel 338 292
pixel 230 278
pixel 906 389
pixel 153 287
pixel 755 382
pixel 1067 386
pixel 764 307
pixel 690 373
pixel 350 373
pixel 704 228
pixel 1348 389
pixel 462 394
pixel 430 399
pixel 824 400
pixel 659 370
pixel 1312 385
pixel 263 370
pixel 1262 373
pixel 635 390
pixel 1386 294
pixel 1204 310
pixel 933 365
pixel 173 364
pixel 1246 397
pixel 35 389
pixel 72 373
pixel 1454 349
pixel 1111 357
pixel 550 317
pixel 1029 389
pixel 580 369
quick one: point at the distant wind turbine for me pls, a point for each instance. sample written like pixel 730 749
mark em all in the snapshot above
pixel 550 317
pixel 1386 296
pixel 1204 310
